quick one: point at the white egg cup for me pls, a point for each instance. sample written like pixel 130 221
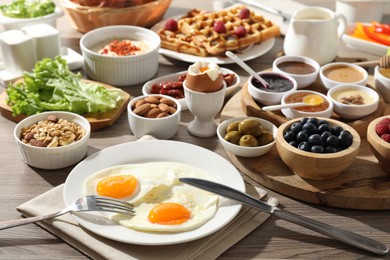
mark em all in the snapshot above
pixel 204 107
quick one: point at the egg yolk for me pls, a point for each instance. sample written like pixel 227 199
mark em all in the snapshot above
pixel 203 69
pixel 169 214
pixel 118 187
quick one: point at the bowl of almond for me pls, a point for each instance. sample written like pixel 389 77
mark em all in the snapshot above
pixel 155 115
pixel 53 140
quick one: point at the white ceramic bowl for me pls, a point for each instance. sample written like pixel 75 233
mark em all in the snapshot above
pixel 10 23
pixel 53 157
pixel 382 84
pixel 292 113
pixel 266 97
pixel 351 111
pixel 147 87
pixel 242 150
pixel 330 83
pixel 303 79
pixel 160 128
pixel 123 70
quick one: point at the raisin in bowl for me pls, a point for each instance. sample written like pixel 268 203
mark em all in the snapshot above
pixel 317 148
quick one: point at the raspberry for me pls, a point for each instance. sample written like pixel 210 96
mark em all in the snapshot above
pixel 386 137
pixel 240 31
pixel 171 25
pixel 244 13
pixel 383 127
pixel 219 27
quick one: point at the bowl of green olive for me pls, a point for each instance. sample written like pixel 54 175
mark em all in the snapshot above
pixel 247 136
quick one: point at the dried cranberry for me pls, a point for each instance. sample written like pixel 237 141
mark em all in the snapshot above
pixel 219 27
pixel 171 25
pixel 240 31
pixel 244 13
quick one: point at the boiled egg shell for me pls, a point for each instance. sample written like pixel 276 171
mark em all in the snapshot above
pixel 204 77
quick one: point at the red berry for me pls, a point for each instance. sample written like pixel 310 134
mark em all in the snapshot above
pixel 240 31
pixel 171 25
pixel 386 137
pixel 383 127
pixel 219 27
pixel 244 13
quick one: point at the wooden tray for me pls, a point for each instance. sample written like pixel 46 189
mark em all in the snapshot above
pixel 252 108
pixel 363 186
pixel 96 120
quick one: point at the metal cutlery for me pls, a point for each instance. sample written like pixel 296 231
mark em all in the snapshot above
pixel 342 235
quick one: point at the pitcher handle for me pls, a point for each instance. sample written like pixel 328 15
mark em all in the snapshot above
pixel 342 25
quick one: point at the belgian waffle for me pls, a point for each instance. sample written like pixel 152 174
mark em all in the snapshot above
pixel 196 34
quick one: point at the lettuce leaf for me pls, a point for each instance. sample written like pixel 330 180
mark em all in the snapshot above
pixel 52 86
pixel 28 9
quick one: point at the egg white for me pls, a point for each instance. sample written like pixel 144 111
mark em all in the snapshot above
pixel 158 183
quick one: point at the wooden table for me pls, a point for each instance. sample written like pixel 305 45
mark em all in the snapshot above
pixel 274 239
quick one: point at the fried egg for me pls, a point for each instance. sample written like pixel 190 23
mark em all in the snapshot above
pixel 161 202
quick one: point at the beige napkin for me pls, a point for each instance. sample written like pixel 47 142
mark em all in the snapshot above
pixel 94 246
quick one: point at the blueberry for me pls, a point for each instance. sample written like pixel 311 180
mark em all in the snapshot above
pixel 304 146
pixel 317 149
pixel 315 139
pixel 337 130
pixel 310 128
pixel 332 141
pixel 289 136
pixel 323 127
pixel 325 136
pixel 296 127
pixel 313 120
pixel 303 120
pixel 323 121
pixel 293 143
pixel 330 149
pixel 345 140
pixel 302 136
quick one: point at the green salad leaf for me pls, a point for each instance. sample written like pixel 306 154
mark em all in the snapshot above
pixel 52 86
pixel 28 8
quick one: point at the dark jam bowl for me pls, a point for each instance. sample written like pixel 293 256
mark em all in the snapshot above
pixel 280 84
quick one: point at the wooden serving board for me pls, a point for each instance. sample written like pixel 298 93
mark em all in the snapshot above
pixel 97 120
pixel 363 186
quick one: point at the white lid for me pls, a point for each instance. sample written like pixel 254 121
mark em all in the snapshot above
pixel 39 30
pixel 13 37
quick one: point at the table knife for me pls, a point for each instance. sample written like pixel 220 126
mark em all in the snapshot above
pixel 342 235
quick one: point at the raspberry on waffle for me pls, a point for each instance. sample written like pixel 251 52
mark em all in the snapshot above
pixel 204 33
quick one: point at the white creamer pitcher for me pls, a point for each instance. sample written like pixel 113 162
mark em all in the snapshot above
pixel 314 32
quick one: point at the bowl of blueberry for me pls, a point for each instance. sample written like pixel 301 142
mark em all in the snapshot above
pixel 317 148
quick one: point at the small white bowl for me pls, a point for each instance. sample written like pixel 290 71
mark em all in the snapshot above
pixel 10 23
pixel 147 87
pixel 53 157
pixel 351 111
pixel 266 97
pixel 382 84
pixel 303 79
pixel 357 70
pixel 123 70
pixel 292 113
pixel 244 151
pixel 160 128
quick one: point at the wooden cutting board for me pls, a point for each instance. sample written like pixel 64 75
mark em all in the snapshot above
pixel 96 120
pixel 363 186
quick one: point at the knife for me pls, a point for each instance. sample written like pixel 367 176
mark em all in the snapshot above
pixel 342 235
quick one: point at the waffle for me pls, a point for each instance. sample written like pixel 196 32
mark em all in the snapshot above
pixel 196 34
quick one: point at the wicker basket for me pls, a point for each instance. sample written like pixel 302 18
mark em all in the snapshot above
pixel 87 18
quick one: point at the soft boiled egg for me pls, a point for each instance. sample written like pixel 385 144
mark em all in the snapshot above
pixel 161 202
pixel 204 77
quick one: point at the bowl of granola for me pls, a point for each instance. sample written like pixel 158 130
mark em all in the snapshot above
pixel 53 140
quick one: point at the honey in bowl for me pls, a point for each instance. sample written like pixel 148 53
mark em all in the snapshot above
pixel 343 73
pixel 296 67
pixel 321 103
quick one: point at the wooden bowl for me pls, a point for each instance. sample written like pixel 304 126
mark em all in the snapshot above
pixel 316 166
pixel 379 147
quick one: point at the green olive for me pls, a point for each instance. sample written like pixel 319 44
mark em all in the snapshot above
pixel 233 137
pixel 248 140
pixel 233 126
pixel 250 127
pixel 265 138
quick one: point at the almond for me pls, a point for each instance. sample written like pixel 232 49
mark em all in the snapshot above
pixel 152 100
pixel 153 113
pixel 168 102
pixel 142 109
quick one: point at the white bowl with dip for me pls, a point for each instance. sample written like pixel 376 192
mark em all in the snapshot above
pixel 266 97
pixel 382 82
pixel 346 103
pixel 303 69
pixel 336 73
pixel 138 67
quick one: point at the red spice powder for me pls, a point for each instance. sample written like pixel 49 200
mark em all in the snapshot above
pixel 121 48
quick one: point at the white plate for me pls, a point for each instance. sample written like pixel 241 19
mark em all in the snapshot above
pixel 74 60
pixel 153 151
pixel 362 45
pixel 146 89
pixel 256 50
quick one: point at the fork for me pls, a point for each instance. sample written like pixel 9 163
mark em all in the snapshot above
pixel 87 203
